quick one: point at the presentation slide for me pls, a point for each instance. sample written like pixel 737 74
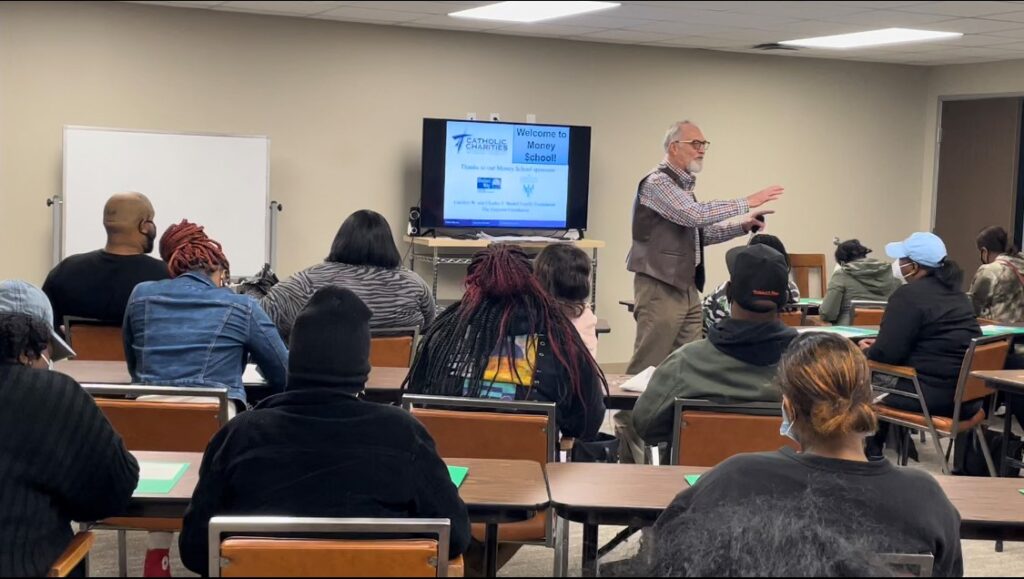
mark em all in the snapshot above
pixel 505 175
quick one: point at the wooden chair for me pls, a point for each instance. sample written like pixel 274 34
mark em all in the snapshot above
pixel 706 433
pixel 94 340
pixel 866 312
pixel 393 347
pixel 983 354
pixel 157 426
pixel 801 265
pixel 320 547
pixel 793 319
pixel 75 553
pixel 482 428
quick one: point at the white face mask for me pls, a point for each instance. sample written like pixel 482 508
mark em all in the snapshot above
pixel 897 271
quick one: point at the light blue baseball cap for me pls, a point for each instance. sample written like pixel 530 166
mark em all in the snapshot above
pixel 20 297
pixel 921 247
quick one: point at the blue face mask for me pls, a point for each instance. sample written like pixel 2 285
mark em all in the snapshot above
pixel 787 426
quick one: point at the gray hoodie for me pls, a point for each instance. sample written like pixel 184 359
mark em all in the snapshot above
pixel 863 279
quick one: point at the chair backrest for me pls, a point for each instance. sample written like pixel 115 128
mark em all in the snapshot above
pixel 481 428
pixel 866 312
pixel 801 265
pixel 707 433
pixel 162 425
pixel 314 547
pixel 909 565
pixel 94 340
pixel 986 353
pixel 393 347
pixel 794 319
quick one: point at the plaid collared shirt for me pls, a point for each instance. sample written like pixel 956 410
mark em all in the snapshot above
pixel 680 206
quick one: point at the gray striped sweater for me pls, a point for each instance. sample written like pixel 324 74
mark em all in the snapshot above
pixel 398 298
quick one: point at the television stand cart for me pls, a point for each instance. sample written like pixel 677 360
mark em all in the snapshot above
pixel 438 251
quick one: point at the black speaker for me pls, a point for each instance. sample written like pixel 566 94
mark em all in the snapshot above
pixel 414 221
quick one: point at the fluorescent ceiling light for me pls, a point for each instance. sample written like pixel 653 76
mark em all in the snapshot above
pixel 531 11
pixel 872 38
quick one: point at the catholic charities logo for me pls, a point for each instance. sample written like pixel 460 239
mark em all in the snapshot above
pixel 480 146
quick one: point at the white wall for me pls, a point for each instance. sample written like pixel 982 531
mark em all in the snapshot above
pixel 343 103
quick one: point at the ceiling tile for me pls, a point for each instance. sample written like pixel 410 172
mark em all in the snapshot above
pixel 356 14
pixel 800 10
pixel 972 25
pixel 1017 33
pixel 197 4
pixel 423 7
pixel 1008 17
pixel 889 18
pixel 279 7
pixel 967 9
pixel 626 36
pixel 449 23
pixel 558 30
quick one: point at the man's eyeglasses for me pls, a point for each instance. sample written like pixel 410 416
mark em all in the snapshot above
pixel 698 145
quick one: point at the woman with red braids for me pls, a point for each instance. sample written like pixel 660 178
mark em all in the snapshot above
pixel 190 331
pixel 507 339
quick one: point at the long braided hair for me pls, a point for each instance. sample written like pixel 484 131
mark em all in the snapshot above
pixel 185 247
pixel 500 288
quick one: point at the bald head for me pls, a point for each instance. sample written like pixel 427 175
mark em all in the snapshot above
pixel 128 219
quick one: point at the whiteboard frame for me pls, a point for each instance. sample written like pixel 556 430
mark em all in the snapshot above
pixel 269 243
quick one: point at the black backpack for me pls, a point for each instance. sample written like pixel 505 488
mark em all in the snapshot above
pixel 971 461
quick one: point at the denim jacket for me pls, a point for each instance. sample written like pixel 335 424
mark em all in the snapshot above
pixel 187 332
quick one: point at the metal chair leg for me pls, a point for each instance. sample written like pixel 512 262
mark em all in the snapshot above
pixel 122 553
pixel 561 563
pixel 979 437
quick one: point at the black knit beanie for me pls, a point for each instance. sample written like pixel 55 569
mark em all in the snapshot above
pixel 330 342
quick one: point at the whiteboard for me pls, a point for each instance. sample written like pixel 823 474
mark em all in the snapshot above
pixel 218 181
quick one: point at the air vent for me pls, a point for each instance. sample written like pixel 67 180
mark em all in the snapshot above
pixel 773 46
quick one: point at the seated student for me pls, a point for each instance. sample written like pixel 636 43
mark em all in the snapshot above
pixel 364 259
pixel 928 325
pixel 60 460
pixel 507 339
pixel 761 536
pixel 736 363
pixel 716 304
pixel 827 408
pixel 997 291
pixel 564 271
pixel 858 278
pixel 97 284
pixel 317 450
pixel 190 331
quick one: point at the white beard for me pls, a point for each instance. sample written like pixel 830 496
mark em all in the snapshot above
pixel 695 166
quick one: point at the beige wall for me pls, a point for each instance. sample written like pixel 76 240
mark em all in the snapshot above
pixel 960 81
pixel 342 104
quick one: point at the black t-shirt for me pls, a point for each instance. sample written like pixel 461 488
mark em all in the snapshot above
pixel 97 284
pixel 906 508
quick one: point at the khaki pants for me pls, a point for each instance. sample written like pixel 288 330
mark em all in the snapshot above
pixel 666 319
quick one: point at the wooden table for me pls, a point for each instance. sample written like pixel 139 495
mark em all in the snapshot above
pixel 1012 383
pixel 495 491
pixel 617 398
pixel 501 491
pixel 635 495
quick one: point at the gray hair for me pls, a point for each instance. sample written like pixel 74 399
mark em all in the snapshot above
pixel 674 131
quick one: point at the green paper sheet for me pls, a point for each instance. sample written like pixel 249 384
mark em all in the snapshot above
pixel 845 331
pixel 691 479
pixel 159 478
pixel 1000 330
pixel 458 474
pixel 809 302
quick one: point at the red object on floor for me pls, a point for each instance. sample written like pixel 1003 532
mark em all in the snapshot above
pixel 158 563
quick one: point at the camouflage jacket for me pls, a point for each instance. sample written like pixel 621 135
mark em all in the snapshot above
pixel 997 291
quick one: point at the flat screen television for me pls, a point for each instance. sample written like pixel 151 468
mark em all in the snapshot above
pixel 481 174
